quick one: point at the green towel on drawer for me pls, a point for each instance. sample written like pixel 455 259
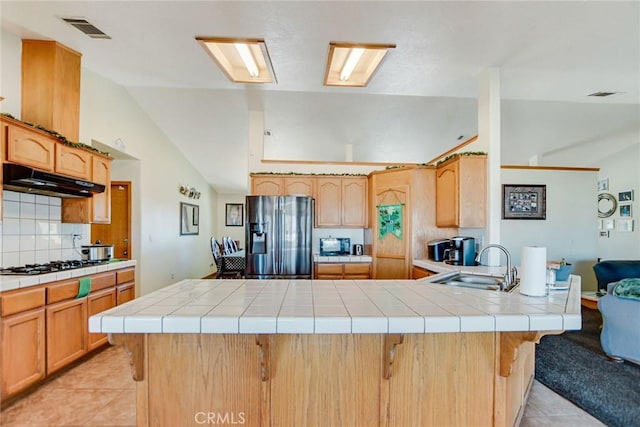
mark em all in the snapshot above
pixel 85 287
pixel 628 288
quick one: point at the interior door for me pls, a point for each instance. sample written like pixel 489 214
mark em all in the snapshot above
pixel 118 232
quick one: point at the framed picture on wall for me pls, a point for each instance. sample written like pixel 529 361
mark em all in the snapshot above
pixel 625 211
pixel 234 215
pixel 524 201
pixel 625 196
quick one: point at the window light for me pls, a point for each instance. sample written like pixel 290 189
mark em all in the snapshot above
pixel 351 64
pixel 241 60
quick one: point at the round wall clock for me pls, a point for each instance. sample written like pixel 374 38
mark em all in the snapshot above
pixel 606 205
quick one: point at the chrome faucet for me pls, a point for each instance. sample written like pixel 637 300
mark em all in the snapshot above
pixel 510 274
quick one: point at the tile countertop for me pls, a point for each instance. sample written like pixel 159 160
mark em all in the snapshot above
pixel 11 282
pixel 342 258
pixel 441 267
pixel 340 306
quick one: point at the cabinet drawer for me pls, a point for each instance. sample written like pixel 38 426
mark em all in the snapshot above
pixel 357 268
pixel 329 269
pixel 22 300
pixel 125 293
pixel 125 275
pixel 60 291
pixel 103 280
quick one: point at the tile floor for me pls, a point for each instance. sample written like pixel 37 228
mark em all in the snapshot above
pixel 100 392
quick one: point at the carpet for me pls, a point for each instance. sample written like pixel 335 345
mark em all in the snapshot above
pixel 573 365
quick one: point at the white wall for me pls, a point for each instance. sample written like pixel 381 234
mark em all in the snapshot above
pixel 236 233
pixel 622 169
pixel 108 112
pixel 569 230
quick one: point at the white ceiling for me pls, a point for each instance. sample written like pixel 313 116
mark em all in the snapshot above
pixel 551 55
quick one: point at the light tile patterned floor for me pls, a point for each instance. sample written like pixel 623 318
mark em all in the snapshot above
pixel 100 392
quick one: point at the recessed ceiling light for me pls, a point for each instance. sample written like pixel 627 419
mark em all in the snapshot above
pixel 603 94
pixel 353 64
pixel 241 60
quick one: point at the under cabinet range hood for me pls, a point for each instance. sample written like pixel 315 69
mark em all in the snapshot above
pixel 27 180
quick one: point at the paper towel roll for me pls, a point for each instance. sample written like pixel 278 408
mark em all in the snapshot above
pixel 533 271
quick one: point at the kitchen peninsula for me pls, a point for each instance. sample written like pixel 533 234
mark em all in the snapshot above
pixel 369 352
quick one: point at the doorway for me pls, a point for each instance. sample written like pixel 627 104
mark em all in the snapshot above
pixel 118 232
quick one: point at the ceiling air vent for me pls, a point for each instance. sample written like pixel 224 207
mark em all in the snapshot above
pixel 603 94
pixel 86 27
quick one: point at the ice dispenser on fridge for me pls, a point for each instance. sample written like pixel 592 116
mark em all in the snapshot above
pixel 258 238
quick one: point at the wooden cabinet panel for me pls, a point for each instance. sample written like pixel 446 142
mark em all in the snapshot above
pixel 66 333
pixel 419 273
pixel 357 271
pixel 125 293
pixel 51 86
pixel 63 290
pixel 30 148
pixel 354 202
pixel 103 280
pixel 101 203
pixel 125 275
pixel 267 185
pixel 23 351
pixel 19 300
pixel 461 192
pixel 298 186
pixel 95 209
pixel 73 161
pixel 346 271
pixel 98 302
pixel 328 202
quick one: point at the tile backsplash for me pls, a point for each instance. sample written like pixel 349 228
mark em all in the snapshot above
pixel 32 231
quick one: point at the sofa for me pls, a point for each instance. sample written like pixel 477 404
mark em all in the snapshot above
pixel 620 336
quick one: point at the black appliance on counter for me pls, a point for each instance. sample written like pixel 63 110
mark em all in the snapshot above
pixel 278 237
pixel 335 246
pixel 462 251
pixel 437 250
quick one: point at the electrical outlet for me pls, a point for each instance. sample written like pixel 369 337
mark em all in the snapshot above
pixel 173 276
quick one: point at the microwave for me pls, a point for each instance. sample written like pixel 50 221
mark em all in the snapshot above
pixel 333 246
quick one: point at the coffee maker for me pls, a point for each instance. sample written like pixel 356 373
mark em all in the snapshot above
pixel 462 251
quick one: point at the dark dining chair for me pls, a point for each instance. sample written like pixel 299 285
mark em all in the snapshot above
pixel 228 266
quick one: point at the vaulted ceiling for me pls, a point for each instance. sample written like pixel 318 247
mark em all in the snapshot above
pixel 551 56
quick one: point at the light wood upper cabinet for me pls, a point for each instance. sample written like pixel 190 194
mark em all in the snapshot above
pixel 73 162
pixel 278 185
pixel 298 185
pixel 23 351
pixel 96 209
pixel 328 202
pixel 30 148
pixel 354 202
pixel 267 185
pixel 51 86
pixel 461 192
pixel 341 202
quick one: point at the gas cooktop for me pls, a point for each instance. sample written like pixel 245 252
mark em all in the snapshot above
pixel 50 267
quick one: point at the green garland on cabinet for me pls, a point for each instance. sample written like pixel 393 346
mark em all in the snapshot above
pixel 58 136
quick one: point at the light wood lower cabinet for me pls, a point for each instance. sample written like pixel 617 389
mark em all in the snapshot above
pixel 66 333
pixel 23 351
pixel 98 302
pixel 340 271
pixel 419 273
pixel 441 379
pixel 45 327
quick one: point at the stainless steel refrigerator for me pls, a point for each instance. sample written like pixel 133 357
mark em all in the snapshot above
pixel 278 237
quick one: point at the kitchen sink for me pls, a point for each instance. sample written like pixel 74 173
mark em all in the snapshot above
pixel 475 281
